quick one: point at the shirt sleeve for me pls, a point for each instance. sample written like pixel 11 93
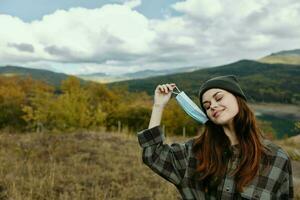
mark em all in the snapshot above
pixel 168 161
pixel 286 189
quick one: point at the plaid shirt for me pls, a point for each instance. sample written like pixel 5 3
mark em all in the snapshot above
pixel 177 163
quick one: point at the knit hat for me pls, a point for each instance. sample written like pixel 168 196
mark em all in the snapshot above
pixel 228 83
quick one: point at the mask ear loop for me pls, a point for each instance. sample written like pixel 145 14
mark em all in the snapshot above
pixel 177 90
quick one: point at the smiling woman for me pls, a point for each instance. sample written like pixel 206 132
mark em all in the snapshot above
pixel 230 160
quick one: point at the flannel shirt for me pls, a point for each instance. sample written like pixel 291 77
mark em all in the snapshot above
pixel 177 164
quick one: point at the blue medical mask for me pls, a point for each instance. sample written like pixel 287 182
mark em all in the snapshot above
pixel 190 107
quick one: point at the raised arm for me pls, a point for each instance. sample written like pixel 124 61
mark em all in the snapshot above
pixel 168 161
pixel 162 95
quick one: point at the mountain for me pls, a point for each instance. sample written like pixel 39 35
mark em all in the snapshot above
pixel 93 75
pixel 285 57
pixel 261 82
pixel 49 77
pixel 98 77
pixel 105 78
pixel 288 52
pixel 152 73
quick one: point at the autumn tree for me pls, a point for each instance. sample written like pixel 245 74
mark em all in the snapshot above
pixel 39 108
pixel 71 108
pixel 176 121
pixel 11 98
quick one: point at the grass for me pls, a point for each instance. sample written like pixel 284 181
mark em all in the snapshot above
pixel 78 166
pixel 291 146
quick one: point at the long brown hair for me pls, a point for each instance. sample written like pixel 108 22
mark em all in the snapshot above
pixel 210 146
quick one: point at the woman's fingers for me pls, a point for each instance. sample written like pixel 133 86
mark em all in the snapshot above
pixel 166 88
pixel 171 86
pixel 160 88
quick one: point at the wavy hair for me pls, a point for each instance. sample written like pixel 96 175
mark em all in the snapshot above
pixel 210 146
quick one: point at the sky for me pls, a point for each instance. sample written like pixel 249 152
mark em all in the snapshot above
pixel 119 36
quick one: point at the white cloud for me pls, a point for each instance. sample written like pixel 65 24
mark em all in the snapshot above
pixel 116 37
pixel 230 30
pixel 132 3
pixel 80 34
pixel 202 9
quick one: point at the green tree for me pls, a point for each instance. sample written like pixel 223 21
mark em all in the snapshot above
pixel 38 110
pixel 72 109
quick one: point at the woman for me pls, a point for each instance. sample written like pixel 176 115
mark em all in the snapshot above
pixel 229 160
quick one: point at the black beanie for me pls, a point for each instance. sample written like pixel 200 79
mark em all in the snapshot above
pixel 228 83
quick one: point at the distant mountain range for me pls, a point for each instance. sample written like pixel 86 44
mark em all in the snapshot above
pixel 284 57
pixel 105 78
pixel 262 82
pixel 54 78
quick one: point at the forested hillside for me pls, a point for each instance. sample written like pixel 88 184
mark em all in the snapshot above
pixel 49 77
pixel 261 82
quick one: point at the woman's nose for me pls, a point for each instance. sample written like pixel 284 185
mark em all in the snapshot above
pixel 214 104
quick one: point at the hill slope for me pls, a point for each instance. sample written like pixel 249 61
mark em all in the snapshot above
pixel 285 57
pixel 261 82
pixel 49 77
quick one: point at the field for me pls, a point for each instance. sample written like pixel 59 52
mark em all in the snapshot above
pixel 82 165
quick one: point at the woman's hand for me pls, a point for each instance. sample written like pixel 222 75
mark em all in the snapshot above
pixel 163 94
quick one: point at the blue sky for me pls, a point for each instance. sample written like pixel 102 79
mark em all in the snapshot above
pixel 118 36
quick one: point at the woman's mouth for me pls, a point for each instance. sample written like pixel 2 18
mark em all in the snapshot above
pixel 217 114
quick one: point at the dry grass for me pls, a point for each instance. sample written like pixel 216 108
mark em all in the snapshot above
pixel 78 166
pixel 291 146
pixel 284 59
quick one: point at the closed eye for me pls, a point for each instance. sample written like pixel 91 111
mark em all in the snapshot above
pixel 218 98
pixel 206 106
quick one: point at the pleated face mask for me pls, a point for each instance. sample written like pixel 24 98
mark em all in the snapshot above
pixel 190 107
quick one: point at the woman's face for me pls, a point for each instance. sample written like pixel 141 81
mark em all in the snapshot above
pixel 221 106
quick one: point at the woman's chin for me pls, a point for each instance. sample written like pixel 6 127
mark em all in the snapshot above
pixel 222 121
